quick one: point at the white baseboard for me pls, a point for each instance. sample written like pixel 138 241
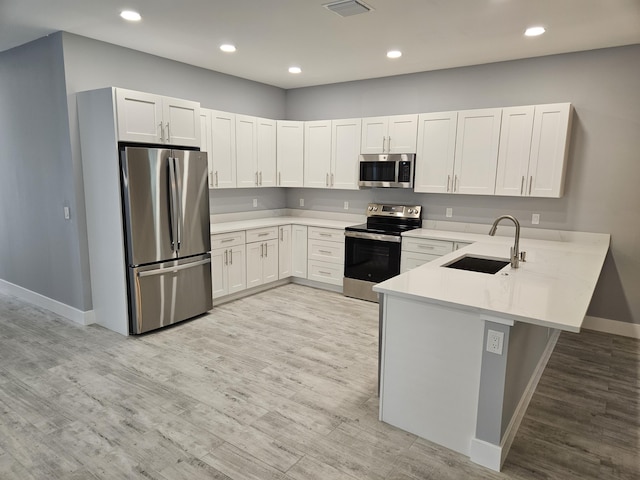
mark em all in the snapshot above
pixel 614 327
pixel 493 456
pixel 59 308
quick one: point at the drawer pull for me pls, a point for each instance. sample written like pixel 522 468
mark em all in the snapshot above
pixel 326 252
pixel 263 234
pixel 322 272
pixel 325 234
pixel 227 240
pixel 428 247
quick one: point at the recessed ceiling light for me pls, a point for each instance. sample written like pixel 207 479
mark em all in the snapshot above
pixel 295 70
pixel 227 47
pixel 130 15
pixel 394 54
pixel 534 31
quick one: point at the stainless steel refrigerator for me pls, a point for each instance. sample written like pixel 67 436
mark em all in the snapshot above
pixel 167 241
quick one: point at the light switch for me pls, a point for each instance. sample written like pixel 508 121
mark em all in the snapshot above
pixel 255 202
pixel 535 219
pixel 449 213
pixel 67 215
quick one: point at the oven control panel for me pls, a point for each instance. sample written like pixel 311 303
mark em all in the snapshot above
pixel 398 211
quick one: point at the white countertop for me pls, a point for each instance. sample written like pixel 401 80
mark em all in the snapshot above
pixel 227 227
pixel 552 288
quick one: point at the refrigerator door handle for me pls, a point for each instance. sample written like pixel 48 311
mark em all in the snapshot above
pixel 178 174
pixel 173 200
pixel 176 268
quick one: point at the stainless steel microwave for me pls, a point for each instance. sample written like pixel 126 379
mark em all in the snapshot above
pixel 393 170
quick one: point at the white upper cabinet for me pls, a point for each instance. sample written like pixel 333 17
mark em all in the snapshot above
pixel 394 134
pixel 534 142
pixel 223 149
pixel 266 152
pixel 331 153
pixel 345 153
pixel 476 155
pixel 549 149
pixel 317 154
pixel 514 150
pixel 147 118
pixel 290 153
pixel 435 154
pixel 246 152
pixel 255 151
pixel 205 141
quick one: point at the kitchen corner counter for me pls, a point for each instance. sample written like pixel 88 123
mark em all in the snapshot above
pixel 226 227
pixel 553 288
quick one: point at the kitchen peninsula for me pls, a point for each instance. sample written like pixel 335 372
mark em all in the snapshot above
pixel 462 351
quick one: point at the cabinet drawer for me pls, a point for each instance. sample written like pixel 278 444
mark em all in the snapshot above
pixel 411 260
pixel 325 272
pixel 332 252
pixel 433 247
pixel 261 234
pixel 331 234
pixel 231 239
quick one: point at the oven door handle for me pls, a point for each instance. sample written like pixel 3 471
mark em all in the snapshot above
pixel 373 236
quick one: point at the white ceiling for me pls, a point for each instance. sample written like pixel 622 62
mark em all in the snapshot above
pixel 272 35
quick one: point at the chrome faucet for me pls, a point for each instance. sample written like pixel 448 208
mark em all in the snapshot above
pixel 515 254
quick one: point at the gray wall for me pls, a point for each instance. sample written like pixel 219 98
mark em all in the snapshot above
pixel 601 193
pixel 39 250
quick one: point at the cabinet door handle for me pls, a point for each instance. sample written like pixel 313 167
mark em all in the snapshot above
pixel 216 178
pixel 384 139
pixel 522 185
pixel 448 182
pixel 280 178
pixel 455 183
pixel 281 234
pixel 256 179
pixel 266 250
pixel 261 250
pixel 211 179
pixel 530 183
pixel 332 179
pixel 226 258
pixel 260 178
pixel 388 144
pixel 230 257
pixel 161 132
pixel 168 134
pixel 326 180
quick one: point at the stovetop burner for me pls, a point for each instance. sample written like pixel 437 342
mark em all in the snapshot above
pixel 390 219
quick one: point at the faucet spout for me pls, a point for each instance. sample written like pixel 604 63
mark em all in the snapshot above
pixel 515 253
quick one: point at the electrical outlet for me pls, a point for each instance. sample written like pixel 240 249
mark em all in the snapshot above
pixel 346 205
pixel 255 202
pixel 302 202
pixel 535 219
pixel 449 213
pixel 494 342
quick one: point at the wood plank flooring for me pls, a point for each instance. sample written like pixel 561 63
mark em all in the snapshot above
pixel 280 385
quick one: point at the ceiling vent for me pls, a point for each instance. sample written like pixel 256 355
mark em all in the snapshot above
pixel 346 8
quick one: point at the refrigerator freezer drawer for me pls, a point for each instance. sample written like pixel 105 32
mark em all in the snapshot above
pixel 169 292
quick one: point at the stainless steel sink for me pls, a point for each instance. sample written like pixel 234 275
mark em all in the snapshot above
pixel 478 264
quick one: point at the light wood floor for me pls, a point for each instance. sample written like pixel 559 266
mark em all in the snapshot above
pixel 280 385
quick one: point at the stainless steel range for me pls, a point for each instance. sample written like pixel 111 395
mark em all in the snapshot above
pixel 372 250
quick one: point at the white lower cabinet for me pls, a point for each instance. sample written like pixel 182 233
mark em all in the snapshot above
pixel 284 251
pixel 299 250
pixel 326 255
pixel 228 272
pixel 262 256
pixel 418 251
